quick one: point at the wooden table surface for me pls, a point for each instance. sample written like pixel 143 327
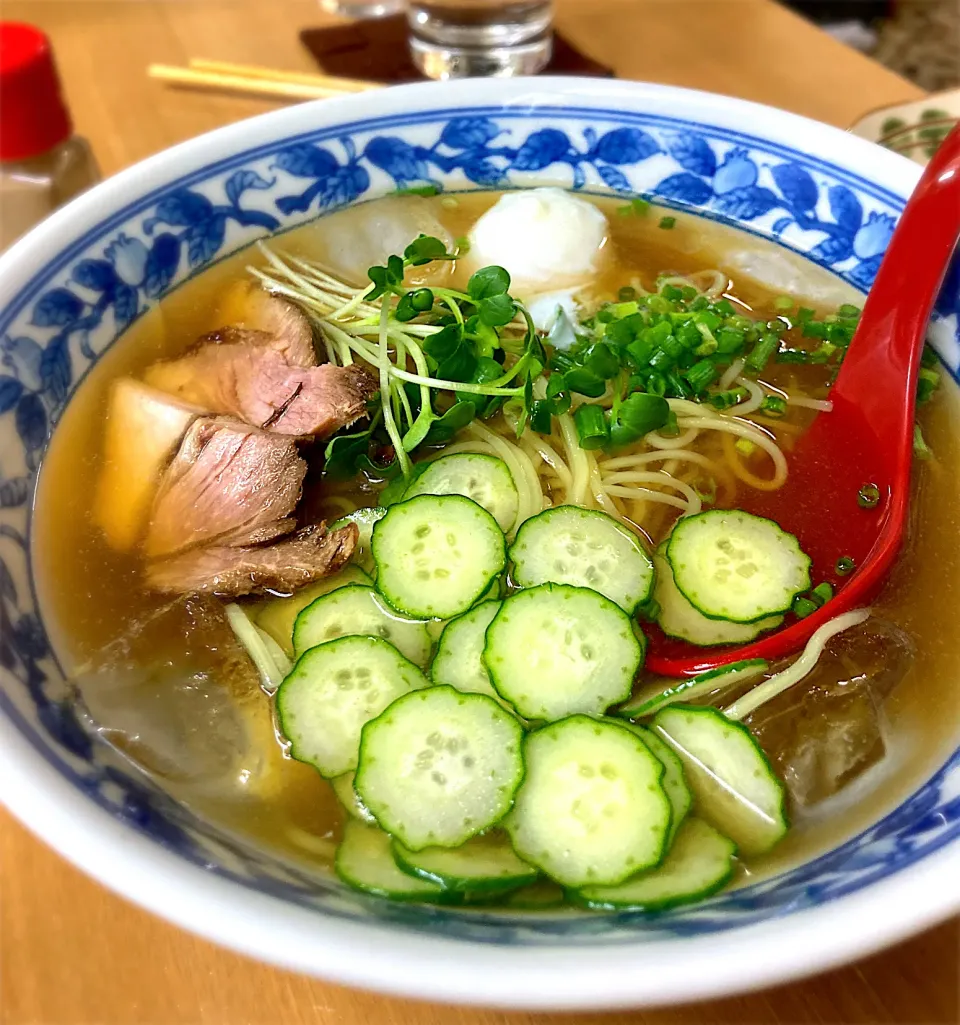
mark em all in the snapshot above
pixel 71 953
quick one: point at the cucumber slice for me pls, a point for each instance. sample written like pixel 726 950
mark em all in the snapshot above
pixel 439 766
pixel 458 661
pixel 365 520
pixel 364 860
pixel 494 592
pixel 332 691
pixel 436 554
pixel 543 895
pixel 678 618
pixel 674 782
pixel 555 650
pixel 484 864
pixel 591 809
pixel 277 615
pixel 733 783
pixel 483 478
pixel 358 611
pixel 654 696
pixel 736 566
pixel 699 863
pixel 350 799
pixel 584 548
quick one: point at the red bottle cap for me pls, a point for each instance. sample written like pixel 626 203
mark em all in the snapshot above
pixel 33 117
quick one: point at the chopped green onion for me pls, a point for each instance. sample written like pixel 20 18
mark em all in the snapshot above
pixel 805 313
pixel 927 384
pixel 845 565
pixel 627 294
pixel 783 302
pixel 769 343
pixel 822 593
pixel 868 497
pixel 745 446
pixel 920 448
pixel 730 340
pixel 803 607
pixel 793 356
pixel 671 292
pixel 419 190
pixel 929 358
pixel 668 222
pixel 637 205
pixel 625 308
pixel 640 351
pixel 661 360
pixel 726 399
pixel 591 424
pixel 777 327
pixel 690 334
pixel 814 329
pixel 839 334
pixel 709 320
pixel 678 385
pixel 689 293
pixel 847 310
pixel 701 375
pixel 823 352
pixel 774 405
pixel 656 384
pixel 673 347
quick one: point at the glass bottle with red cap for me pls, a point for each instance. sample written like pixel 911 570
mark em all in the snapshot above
pixel 42 163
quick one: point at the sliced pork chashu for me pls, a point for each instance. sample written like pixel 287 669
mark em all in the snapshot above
pixel 228 483
pixel 285 565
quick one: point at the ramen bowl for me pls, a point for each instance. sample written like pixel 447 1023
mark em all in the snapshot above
pixel 72 286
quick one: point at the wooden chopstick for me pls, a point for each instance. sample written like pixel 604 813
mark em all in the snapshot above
pixel 217 81
pixel 298 77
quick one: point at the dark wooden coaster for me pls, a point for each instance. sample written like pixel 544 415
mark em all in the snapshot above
pixel 376 49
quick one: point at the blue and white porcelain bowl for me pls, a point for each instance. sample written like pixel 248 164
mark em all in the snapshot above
pixel 72 286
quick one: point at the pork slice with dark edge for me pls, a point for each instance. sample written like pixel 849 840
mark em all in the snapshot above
pixel 228 483
pixel 243 373
pixel 229 572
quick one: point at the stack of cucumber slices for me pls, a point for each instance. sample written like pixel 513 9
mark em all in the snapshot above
pixel 456 689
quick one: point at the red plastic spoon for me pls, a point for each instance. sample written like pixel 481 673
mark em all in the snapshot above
pixel 867 438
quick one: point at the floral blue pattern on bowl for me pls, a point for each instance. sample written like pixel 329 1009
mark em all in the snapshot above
pixel 73 309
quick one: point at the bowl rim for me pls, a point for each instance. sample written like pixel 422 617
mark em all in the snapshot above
pixel 366 954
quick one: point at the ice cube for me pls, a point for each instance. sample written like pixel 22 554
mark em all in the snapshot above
pixel 180 726
pixel 365 237
pixel 828 729
pixel 167 693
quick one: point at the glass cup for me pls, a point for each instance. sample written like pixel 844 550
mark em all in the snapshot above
pixel 363 8
pixel 467 38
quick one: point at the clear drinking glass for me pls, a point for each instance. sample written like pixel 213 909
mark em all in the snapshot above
pixel 466 38
pixel 363 8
